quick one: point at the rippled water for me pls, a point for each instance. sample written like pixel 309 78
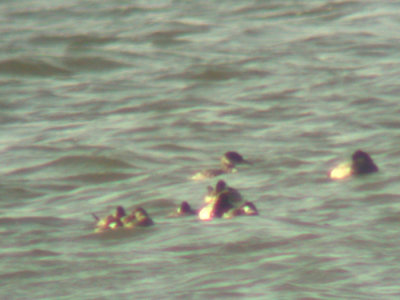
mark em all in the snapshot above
pixel 120 103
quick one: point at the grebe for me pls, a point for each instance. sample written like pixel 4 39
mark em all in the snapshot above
pixel 228 162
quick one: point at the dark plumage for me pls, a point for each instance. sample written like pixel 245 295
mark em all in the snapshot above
pixel 185 209
pixel 228 162
pixel 221 206
pixel 362 163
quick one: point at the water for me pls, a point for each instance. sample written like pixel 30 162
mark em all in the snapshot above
pixel 120 103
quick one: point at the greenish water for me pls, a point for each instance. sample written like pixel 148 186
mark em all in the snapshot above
pixel 120 103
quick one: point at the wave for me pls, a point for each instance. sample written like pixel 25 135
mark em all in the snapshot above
pixel 92 63
pixel 32 67
pixel 81 167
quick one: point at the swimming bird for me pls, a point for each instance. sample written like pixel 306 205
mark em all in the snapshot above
pixel 361 163
pixel 216 209
pixel 223 207
pixel 246 209
pixel 119 212
pixel 185 209
pixel 228 163
pixel 119 219
pixel 222 187
pixel 111 221
pixel 138 217
pixel 225 202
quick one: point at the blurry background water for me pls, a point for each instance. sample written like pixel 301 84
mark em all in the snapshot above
pixel 106 103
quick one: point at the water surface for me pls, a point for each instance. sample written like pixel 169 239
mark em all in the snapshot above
pixel 120 103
